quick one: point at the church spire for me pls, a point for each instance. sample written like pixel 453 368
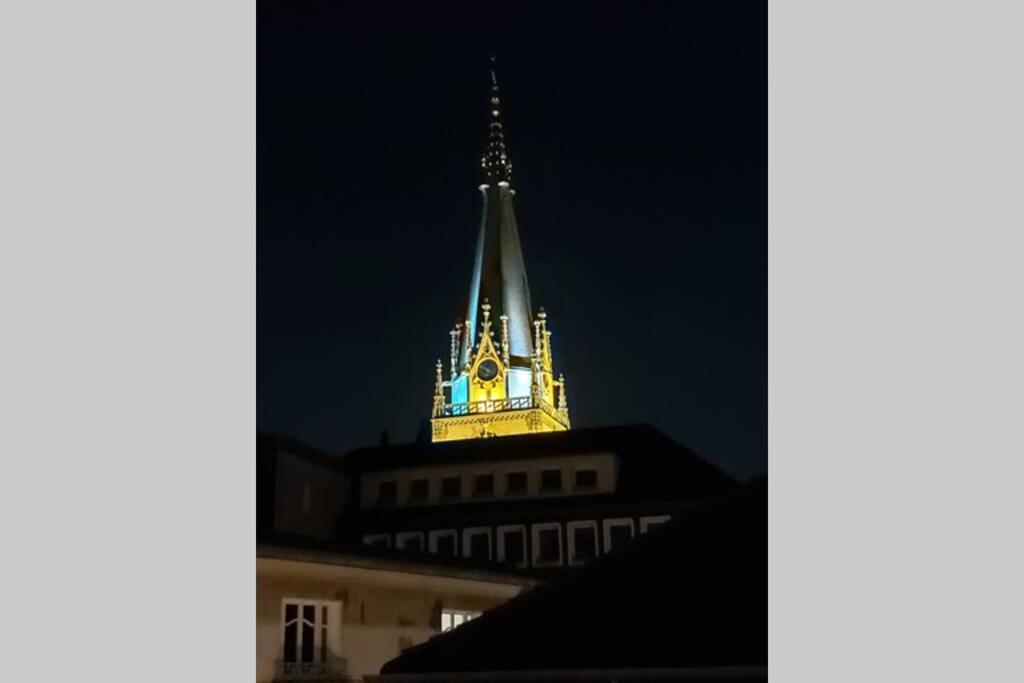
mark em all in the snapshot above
pixel 495 164
pixel 498 387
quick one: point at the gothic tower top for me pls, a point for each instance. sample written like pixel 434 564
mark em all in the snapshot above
pixel 502 384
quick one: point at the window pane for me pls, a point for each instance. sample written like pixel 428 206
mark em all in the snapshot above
pixel 516 482
pixel 419 489
pixel 307 642
pixel 309 613
pixel 586 479
pixel 291 611
pixel 551 480
pixel 548 542
pixel 484 485
pixel 515 547
pixel 446 546
pixel 290 640
pixel 584 543
pixel 323 643
pixel 446 621
pixel 387 492
pixel 479 547
pixel 451 487
pixel 323 616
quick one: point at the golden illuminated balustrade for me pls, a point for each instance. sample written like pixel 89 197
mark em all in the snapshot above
pixel 499 406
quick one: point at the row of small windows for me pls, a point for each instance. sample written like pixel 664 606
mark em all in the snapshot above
pixel 546 549
pixel 516 484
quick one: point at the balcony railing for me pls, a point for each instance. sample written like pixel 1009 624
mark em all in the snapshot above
pixel 499 406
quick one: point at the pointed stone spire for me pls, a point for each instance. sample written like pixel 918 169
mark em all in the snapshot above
pixel 495 164
pixel 499 273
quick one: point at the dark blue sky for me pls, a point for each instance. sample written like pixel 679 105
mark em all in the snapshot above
pixel 637 132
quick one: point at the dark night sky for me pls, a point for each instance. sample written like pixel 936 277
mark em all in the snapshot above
pixel 637 133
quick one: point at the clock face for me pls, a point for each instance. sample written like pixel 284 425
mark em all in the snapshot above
pixel 488 370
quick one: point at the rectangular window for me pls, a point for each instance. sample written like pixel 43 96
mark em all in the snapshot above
pixel 443 543
pixel 410 540
pixel 515 484
pixel 512 545
pixel 419 490
pixel 547 544
pixel 586 480
pixel 476 544
pixel 451 487
pixel 617 533
pixel 550 481
pixel 582 542
pixel 450 618
pixel 310 634
pixel 387 493
pixel 377 540
pixel 483 485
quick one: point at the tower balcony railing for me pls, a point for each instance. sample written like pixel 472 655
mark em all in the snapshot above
pixel 500 406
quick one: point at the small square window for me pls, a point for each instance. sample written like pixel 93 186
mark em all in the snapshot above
pixel 550 481
pixel 419 490
pixel 387 493
pixel 516 484
pixel 483 485
pixel 586 480
pixel 451 487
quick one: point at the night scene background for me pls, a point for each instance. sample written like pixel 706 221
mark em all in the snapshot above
pixel 638 138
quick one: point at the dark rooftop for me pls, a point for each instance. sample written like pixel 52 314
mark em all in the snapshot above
pixel 690 595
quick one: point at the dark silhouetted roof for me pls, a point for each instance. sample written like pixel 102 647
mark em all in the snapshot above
pixel 652 464
pixel 690 595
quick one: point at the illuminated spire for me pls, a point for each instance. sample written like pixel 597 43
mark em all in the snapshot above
pixel 495 164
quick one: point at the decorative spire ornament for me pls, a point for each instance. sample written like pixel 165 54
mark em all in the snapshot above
pixel 504 340
pixel 455 334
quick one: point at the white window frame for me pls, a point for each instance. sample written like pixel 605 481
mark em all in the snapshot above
pixel 321 664
pixel 502 530
pixel 440 533
pixel 619 521
pixel 456 617
pixel 645 522
pixel 368 539
pixel 524 492
pixel 540 481
pixel 582 524
pixel 402 536
pixel 466 533
pixel 535 530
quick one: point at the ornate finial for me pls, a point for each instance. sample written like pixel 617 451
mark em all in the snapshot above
pixel 486 324
pixel 456 335
pixel 504 339
pixel 438 391
pixel 563 403
pixel 536 336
